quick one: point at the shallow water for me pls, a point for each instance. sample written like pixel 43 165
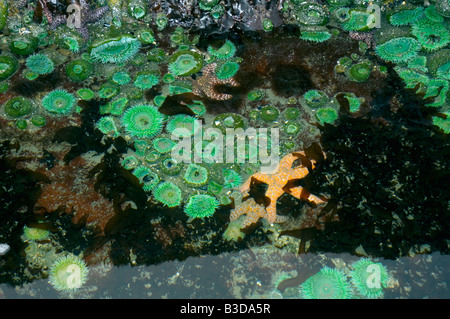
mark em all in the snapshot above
pixel 368 141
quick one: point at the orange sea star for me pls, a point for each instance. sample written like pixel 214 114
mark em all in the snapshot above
pixel 206 83
pixel 277 181
pixel 253 212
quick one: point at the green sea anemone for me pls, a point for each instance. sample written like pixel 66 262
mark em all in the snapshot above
pixel 226 121
pixel 310 13
pixel 156 55
pixel 137 9
pixel 35 233
pixel 161 21
pixel 292 128
pixel 226 51
pixel 183 125
pixel 40 63
pixel 121 78
pixel 130 162
pixel 146 80
pixel 196 175
pixel 58 101
pixel 86 94
pixel 38 120
pixel 369 278
pixel 107 126
pixel 256 95
pixel 146 36
pixel 147 177
pixel 198 108
pixel 359 21
pixel 359 72
pixel 316 98
pixel 432 14
pixel 217 11
pixel 227 70
pixel 69 273
pixel 442 122
pixel 168 78
pixel 170 166
pixel 207 4
pixel 315 34
pixel 399 49
pixel 354 103
pixel 405 17
pixel 291 113
pixel 267 25
pixel 18 106
pixel 115 50
pixel 23 44
pixel 168 194
pixel 21 124
pixel 163 144
pixel 412 78
pixel 72 43
pixel 185 63
pixel 231 178
pixel 8 66
pixel 201 205
pixel 326 115
pixel 142 121
pixel 431 35
pixel 78 70
pixel 108 90
pixel 269 113
pixel 328 283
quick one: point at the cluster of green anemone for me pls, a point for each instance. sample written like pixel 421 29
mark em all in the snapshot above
pixel 368 279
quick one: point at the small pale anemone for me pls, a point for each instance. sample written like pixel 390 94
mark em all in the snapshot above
pixel 147 177
pixel 196 175
pixel 227 70
pixel 115 50
pixel 168 194
pixel 226 51
pixel 369 278
pixel 142 121
pixel 35 233
pixel 58 101
pixel 316 98
pixel 328 283
pixel 398 49
pixel 185 63
pixel 163 144
pixel 431 35
pixel 40 63
pixel 232 179
pixel 359 72
pixel 107 126
pixel 326 115
pixel 68 274
pixel 201 205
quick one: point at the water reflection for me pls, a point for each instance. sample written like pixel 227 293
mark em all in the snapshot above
pixel 259 272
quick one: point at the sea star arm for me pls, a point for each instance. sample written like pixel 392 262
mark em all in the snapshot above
pixel 298 173
pixel 300 193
